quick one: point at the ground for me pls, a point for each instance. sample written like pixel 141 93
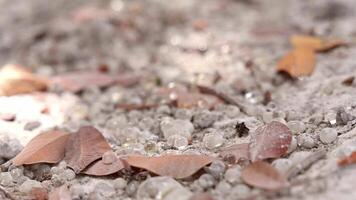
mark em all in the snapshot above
pixel 230 45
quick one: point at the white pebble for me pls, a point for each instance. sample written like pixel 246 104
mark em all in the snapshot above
pixel 5 179
pixel 213 140
pixel 180 127
pixel 306 141
pixel 328 135
pixel 27 186
pixel 293 145
pixel 296 126
pixel 177 141
pixel 120 183
pixel 233 175
pixel 282 164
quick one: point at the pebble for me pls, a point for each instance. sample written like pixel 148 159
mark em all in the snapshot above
pixel 119 121
pixel 104 189
pixel 180 127
pixel 183 114
pixel 57 180
pixel 120 183
pixel 293 145
pixel 131 188
pixel 306 141
pixel 213 140
pixel 177 141
pixel 296 126
pixel 17 175
pixel 160 188
pixel 30 126
pixel 164 109
pixel 282 164
pixel 205 118
pixel 6 179
pixel 56 170
pixel 128 135
pixel 330 117
pixel 267 116
pixel 179 194
pixel 9 148
pixel 342 117
pixel 77 191
pixel 327 135
pixel 206 181
pixel 27 186
pixel 223 187
pixel 233 175
pixel 68 174
pixel 239 191
pixel 216 168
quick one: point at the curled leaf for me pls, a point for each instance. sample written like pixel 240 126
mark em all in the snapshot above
pixel 103 168
pixel 176 166
pixel 298 62
pixel 270 141
pixel 84 147
pixel 46 147
pixel 315 43
pixel 15 79
pixel 351 159
pixel 262 175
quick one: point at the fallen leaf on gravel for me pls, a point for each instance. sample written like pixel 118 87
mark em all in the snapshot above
pixel 270 141
pixel 15 79
pixel 262 175
pixel 46 147
pixel 351 159
pixel 298 62
pixel 315 43
pixel 84 147
pixel 239 151
pixel 60 193
pixel 102 168
pixel 8 117
pixel 176 166
pixel 39 193
pixel 348 81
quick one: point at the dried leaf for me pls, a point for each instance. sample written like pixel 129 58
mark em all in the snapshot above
pixel 176 166
pixel 102 168
pixel 15 79
pixel 315 43
pixel 46 147
pixel 298 62
pixel 60 193
pixel 39 193
pixel 84 147
pixel 262 175
pixel 351 159
pixel 239 151
pixel 348 81
pixel 270 141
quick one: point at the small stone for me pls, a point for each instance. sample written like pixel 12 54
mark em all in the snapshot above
pixel 56 170
pixel 151 147
pixel 316 118
pixel 330 117
pixel 299 156
pixel 223 188
pixel 109 157
pixel 9 148
pixel 131 188
pixel 77 191
pixel 119 121
pixel 296 126
pixel 180 127
pixel 27 186
pixel 306 141
pixel 183 114
pixel 17 175
pixel 57 180
pixel 206 181
pixel 177 141
pixel 30 126
pixel 120 183
pixel 205 118
pixel 6 179
pixel 282 164
pixel 128 135
pixel 104 189
pixel 68 174
pixel 327 135
pixel 239 191
pixel 216 168
pixel 164 109
pixel 233 175
pixel 178 194
pixel 342 117
pixel 213 140
pixel 267 116
pixel 293 145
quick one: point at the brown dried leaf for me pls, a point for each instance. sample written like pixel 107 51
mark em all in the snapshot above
pixel 315 43
pixel 46 147
pixel 239 151
pixel 270 141
pixel 102 168
pixel 351 159
pixel 39 193
pixel 60 193
pixel 298 62
pixel 176 166
pixel 84 147
pixel 15 79
pixel 262 175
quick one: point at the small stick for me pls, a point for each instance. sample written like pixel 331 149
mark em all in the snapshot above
pixel 304 164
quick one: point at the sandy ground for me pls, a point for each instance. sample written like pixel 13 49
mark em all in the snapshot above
pixel 187 41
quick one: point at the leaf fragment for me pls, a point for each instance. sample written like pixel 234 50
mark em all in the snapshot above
pixel 351 159
pixel 176 166
pixel 262 175
pixel 239 151
pixel 84 147
pixel 103 168
pixel 46 147
pixel 315 43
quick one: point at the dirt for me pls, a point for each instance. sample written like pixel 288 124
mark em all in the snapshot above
pixel 230 45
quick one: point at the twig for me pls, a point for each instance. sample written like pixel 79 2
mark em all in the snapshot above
pixel 304 164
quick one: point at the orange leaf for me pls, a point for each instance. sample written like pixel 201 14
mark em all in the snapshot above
pixel 298 62
pixel 46 147
pixel 176 166
pixel 237 150
pixel 270 141
pixel 351 159
pixel 315 43
pixel 15 79
pixel 102 168
pixel 262 175
pixel 84 147
pixel 60 193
